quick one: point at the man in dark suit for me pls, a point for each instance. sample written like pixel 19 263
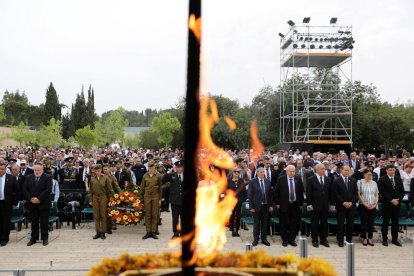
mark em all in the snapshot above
pixel 346 196
pixel 37 190
pixel 304 171
pixel 9 193
pixel 121 175
pixel 174 181
pixel 319 195
pixel 412 193
pixel 15 170
pixel 354 163
pixel 25 171
pixel 392 192
pixel 289 200
pixel 260 204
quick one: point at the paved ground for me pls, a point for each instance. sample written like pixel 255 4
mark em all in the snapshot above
pixel 76 249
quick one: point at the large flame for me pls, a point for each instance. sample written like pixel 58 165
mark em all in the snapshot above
pixel 257 147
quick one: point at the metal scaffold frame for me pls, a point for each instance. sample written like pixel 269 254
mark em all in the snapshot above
pixel 313 62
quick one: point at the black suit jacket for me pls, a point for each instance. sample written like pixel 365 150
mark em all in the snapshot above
pixel 255 194
pixel 28 171
pixel 319 197
pixel 282 192
pixel 386 190
pixel 176 188
pixel 239 188
pixel 20 183
pixel 11 191
pixel 42 190
pixel 344 194
pixel 412 192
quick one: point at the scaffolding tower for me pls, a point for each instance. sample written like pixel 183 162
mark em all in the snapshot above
pixel 315 62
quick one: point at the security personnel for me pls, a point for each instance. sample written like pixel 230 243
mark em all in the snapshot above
pixel 174 181
pixel 114 184
pixel 165 168
pixel 122 175
pixel 151 189
pixel 100 189
pixel 69 174
pixel 48 167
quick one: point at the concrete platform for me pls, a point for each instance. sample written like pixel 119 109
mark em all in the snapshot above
pixel 75 249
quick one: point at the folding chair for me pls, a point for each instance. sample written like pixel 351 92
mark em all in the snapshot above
pixel 246 216
pixel 86 209
pixel 18 218
pixel 53 218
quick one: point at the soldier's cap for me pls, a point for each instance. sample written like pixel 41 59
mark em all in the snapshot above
pixel 97 167
pixel 369 163
pixel 179 163
pixel 11 160
pixel 339 165
pixel 70 158
pixel 151 164
pixel 23 162
pixel 30 159
pixel 325 162
pixel 112 163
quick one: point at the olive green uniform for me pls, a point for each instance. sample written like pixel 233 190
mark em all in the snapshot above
pixel 99 192
pixel 151 189
pixel 117 189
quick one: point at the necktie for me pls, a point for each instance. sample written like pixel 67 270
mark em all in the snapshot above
pixel 346 183
pixel 37 179
pixel 321 181
pixel 267 174
pixel 263 191
pixel 1 188
pixel 179 178
pixel 392 182
pixel 291 191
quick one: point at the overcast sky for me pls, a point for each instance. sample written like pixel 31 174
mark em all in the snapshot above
pixel 133 52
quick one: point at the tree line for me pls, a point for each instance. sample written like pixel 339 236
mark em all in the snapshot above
pixel 377 125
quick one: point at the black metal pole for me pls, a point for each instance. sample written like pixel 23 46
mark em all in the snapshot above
pixel 191 135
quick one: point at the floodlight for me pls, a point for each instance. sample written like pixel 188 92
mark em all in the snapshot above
pixel 320 46
pixel 281 35
pixel 295 46
pixel 291 23
pixel 333 20
pixel 312 46
pixel 303 45
pixel 328 47
pixel 316 39
pixel 306 20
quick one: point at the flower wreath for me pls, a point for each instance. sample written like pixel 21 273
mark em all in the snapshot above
pixel 126 208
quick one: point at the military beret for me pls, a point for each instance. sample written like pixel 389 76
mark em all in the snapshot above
pixel 70 158
pixel 151 164
pixel 179 163
pixel 97 167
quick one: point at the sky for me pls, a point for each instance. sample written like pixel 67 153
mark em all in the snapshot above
pixel 133 52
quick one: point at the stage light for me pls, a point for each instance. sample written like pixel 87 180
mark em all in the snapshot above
pixel 347 32
pixel 340 32
pixel 310 38
pixel 336 46
pixel 326 39
pixel 328 47
pixel 316 39
pixel 320 46
pixel 303 45
pixel 312 46
pixel 291 23
pixel 281 35
pixel 301 38
pixel 295 46
pixel 306 20
pixel 333 20
pixel 306 38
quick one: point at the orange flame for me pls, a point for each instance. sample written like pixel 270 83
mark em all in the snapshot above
pixel 257 147
pixel 232 124
pixel 195 26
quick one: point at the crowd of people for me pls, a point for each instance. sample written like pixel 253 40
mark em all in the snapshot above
pixel 286 184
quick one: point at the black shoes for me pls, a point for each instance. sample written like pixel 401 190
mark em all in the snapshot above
pixel 97 236
pixel 293 243
pixel 341 244
pixel 109 232
pixel 255 243
pixel 147 235
pixel 154 236
pixel 103 236
pixel 284 243
pixel 235 234
pixel 385 243
pixel 45 242
pixel 156 232
pixel 315 244
pixel 397 243
pixel 325 243
pixel 31 242
pixel 266 242
pixel 4 243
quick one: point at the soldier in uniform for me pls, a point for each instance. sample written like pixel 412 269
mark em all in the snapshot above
pixel 151 189
pixel 174 181
pixel 100 189
pixel 114 184
pixel 48 167
pixel 69 174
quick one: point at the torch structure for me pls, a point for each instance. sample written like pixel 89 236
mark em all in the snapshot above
pixel 191 137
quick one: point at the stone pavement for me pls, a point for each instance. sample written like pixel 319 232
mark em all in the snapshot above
pixel 75 249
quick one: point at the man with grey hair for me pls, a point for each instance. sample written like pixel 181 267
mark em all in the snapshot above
pixel 319 195
pixel 289 200
pixel 260 204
